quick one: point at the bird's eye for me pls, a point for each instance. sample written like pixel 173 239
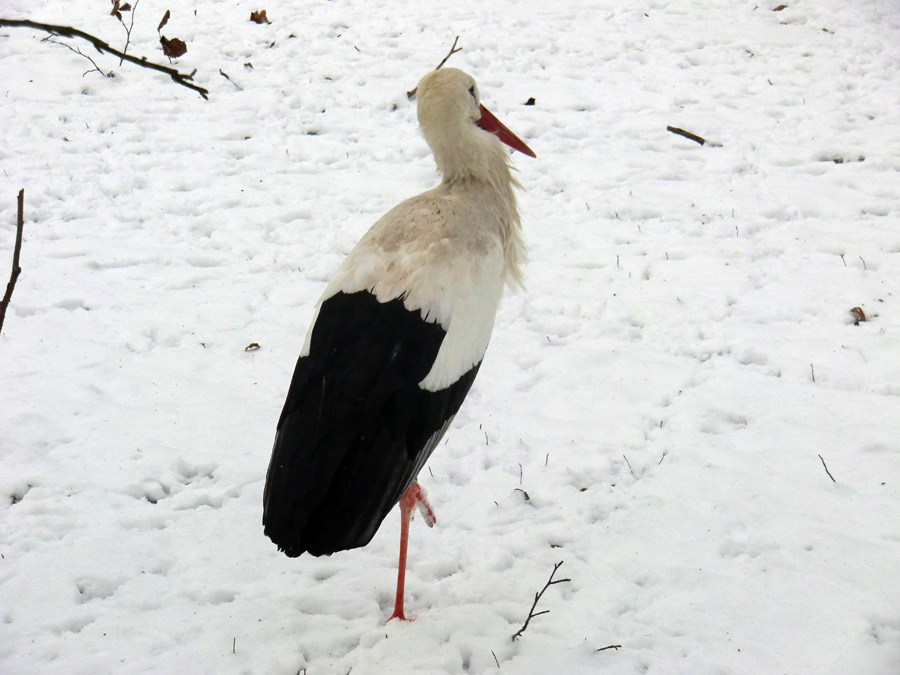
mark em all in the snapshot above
pixel 472 91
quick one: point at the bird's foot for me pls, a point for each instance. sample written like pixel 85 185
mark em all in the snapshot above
pixel 425 508
pixel 416 497
pixel 398 614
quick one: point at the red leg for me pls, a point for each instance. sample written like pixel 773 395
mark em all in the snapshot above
pixel 414 496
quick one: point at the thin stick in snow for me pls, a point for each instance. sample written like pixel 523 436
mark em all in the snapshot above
pixel 452 51
pixel 537 596
pixel 117 12
pixel 603 649
pixel 826 470
pixel 411 94
pixel 101 46
pixel 225 75
pixel 687 134
pixel 49 38
pixel 16 270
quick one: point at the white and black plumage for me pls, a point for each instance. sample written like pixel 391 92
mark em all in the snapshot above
pixel 398 337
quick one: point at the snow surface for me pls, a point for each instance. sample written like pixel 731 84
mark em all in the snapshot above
pixel 652 411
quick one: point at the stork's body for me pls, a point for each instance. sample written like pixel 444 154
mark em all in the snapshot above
pixel 398 337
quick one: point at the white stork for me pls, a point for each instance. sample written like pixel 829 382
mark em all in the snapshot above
pixel 398 338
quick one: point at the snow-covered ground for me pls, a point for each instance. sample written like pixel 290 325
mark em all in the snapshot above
pixel 656 411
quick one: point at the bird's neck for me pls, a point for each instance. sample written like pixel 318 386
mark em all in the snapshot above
pixel 494 194
pixel 473 156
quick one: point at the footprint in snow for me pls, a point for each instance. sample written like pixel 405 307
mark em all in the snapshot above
pixel 189 485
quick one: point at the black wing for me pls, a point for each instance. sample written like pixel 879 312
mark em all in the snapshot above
pixel 356 428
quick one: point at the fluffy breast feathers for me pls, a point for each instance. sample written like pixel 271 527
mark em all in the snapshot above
pixel 443 254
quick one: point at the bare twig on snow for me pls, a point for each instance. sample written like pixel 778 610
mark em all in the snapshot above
pixel 633 475
pixel 225 75
pixel 67 31
pixel 49 38
pixel 16 270
pixel 117 12
pixel 687 134
pixel 537 596
pixel 826 470
pixel 411 94
pixel 452 51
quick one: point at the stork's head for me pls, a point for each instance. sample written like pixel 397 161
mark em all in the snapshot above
pixel 463 135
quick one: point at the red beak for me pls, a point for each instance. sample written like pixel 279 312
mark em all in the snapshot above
pixel 490 123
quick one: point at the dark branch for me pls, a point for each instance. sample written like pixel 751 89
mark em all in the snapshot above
pixel 16 270
pixel 537 596
pixel 225 75
pixel 452 51
pixel 826 470
pixel 687 134
pixel 411 94
pixel 101 46
pixel 603 649
pixel 629 467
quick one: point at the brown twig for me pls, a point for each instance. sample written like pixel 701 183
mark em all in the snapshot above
pixel 49 38
pixel 225 75
pixel 16 270
pixel 603 649
pixel 129 28
pixel 101 46
pixel 826 470
pixel 629 467
pixel 537 596
pixel 411 94
pixel 687 134
pixel 452 51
